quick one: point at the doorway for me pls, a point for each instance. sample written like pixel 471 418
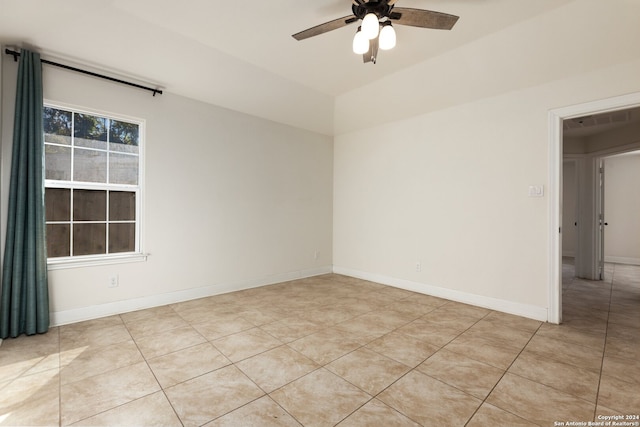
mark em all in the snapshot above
pixel 560 122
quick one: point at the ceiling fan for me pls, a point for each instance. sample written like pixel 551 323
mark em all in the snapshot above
pixel 376 30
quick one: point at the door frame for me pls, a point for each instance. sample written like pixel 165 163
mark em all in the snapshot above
pixel 556 117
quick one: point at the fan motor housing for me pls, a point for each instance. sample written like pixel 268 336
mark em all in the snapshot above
pixel 379 8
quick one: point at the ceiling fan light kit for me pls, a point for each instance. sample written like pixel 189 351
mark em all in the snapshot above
pixel 376 30
pixel 360 42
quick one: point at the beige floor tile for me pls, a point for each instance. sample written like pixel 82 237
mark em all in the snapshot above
pixel 364 328
pixel 263 412
pixel 574 354
pixel 616 330
pixel 205 312
pixel 72 338
pixel 320 398
pixel 622 348
pixel 403 348
pixel 390 319
pixel 538 403
pixel 258 317
pixel 450 319
pixel 489 415
pixel 31 400
pixel 326 345
pixel 553 369
pixel 87 362
pixel 500 334
pixel 395 293
pixel 465 309
pixel 621 369
pixel 578 382
pixel 499 355
pixel 245 344
pixel 135 316
pixel 410 307
pixel 155 325
pixel 429 332
pixel 29 354
pixel 468 375
pixel 326 315
pixel 586 324
pixel 174 368
pixel 571 335
pixel 516 322
pixel 212 395
pixel 291 329
pixel 376 413
pixel 627 318
pixel 172 340
pixel 619 395
pixel 88 397
pixel 148 411
pixel 429 401
pixel 428 300
pixel 368 370
pixel 221 327
pixel 94 324
pixel 277 367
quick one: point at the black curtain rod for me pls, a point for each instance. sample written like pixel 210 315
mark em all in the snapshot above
pixel 90 73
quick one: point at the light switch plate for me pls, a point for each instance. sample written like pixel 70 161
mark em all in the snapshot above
pixel 536 191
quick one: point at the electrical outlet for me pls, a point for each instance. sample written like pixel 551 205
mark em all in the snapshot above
pixel 114 281
pixel 316 255
pixel 418 267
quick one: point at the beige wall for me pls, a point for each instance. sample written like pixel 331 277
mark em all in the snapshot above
pixel 448 188
pixel 230 200
pixel 622 208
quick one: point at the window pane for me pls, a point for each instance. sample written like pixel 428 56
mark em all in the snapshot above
pixel 122 206
pixel 89 239
pixel 90 131
pixel 58 204
pixel 57 161
pixel 123 169
pixel 122 238
pixel 90 165
pixel 123 136
pixel 57 126
pixel 58 240
pixel 89 205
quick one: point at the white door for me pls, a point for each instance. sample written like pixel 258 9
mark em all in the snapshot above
pixel 601 221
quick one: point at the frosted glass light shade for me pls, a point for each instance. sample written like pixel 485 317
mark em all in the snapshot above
pixel 370 26
pixel 387 37
pixel 360 43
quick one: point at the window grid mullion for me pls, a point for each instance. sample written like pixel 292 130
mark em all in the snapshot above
pixel 72 185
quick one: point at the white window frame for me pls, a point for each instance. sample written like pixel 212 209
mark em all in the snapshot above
pixel 103 259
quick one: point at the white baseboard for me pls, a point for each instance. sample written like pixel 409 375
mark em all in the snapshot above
pixel 622 260
pixel 109 309
pixel 518 309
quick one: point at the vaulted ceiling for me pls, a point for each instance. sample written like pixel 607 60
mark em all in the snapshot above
pixel 241 55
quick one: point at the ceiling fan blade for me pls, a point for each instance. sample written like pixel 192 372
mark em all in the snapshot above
pixel 423 18
pixel 372 54
pixel 326 27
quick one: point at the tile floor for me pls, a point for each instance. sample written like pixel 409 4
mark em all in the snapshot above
pixel 334 350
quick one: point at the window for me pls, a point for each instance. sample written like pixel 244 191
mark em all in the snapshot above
pixel 92 185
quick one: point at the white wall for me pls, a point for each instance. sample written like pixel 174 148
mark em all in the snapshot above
pixel 622 208
pixel 569 207
pixel 231 200
pixel 448 188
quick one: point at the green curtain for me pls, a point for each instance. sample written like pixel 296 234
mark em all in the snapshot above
pixel 24 304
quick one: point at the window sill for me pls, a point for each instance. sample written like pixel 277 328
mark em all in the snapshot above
pixel 91 261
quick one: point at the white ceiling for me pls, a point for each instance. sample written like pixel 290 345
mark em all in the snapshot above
pixel 241 55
